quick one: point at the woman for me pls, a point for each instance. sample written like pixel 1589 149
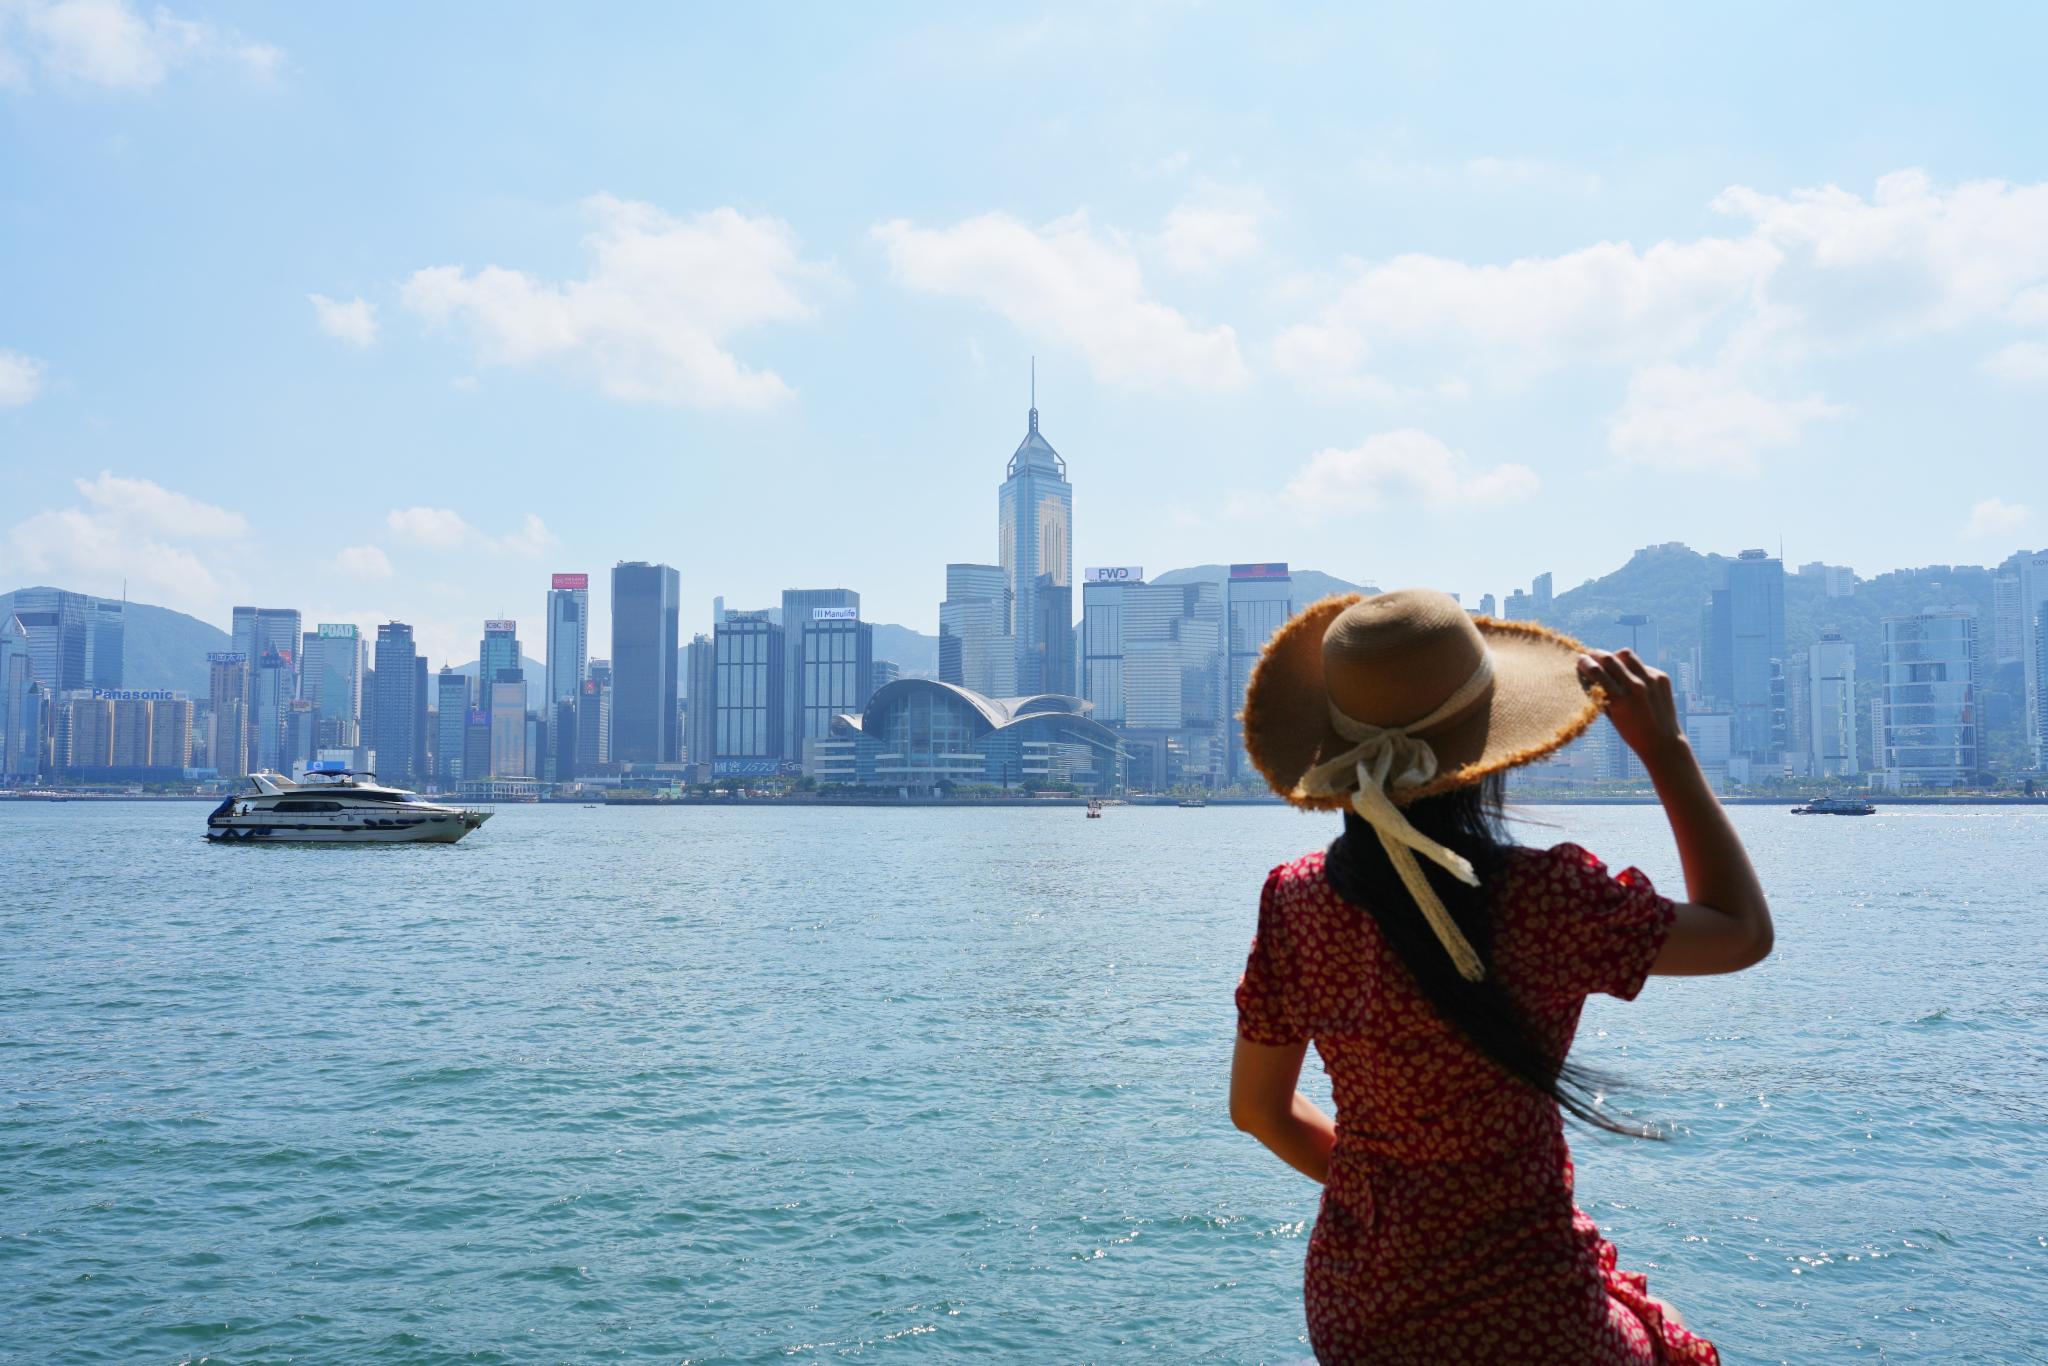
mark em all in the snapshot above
pixel 1440 972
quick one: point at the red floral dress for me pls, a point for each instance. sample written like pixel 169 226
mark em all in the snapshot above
pixel 1447 1231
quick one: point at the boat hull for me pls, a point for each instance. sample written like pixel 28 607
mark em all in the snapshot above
pixel 408 829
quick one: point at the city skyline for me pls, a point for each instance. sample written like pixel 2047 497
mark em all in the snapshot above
pixel 1350 291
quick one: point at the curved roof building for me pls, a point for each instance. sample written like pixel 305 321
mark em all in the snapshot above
pixel 921 733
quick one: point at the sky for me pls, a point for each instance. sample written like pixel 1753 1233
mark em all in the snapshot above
pixel 387 311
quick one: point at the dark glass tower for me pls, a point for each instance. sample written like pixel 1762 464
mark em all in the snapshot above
pixel 646 621
pixel 396 732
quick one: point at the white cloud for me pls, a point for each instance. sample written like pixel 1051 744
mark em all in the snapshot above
pixel 1607 303
pixel 1526 172
pixel 440 528
pixel 1068 283
pixel 1200 237
pixel 1909 259
pixel 21 378
pixel 131 533
pixel 1994 517
pixel 445 529
pixel 1818 270
pixel 111 45
pixel 353 321
pixel 1690 418
pixel 1405 465
pixel 531 539
pixel 652 318
pixel 2022 362
pixel 363 562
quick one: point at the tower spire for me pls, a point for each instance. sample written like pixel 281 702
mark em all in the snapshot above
pixel 1034 393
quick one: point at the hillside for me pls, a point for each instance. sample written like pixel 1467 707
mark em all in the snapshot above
pixel 162 649
pixel 1309 584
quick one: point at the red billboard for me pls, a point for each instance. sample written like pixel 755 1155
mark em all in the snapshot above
pixel 1258 571
pixel 572 581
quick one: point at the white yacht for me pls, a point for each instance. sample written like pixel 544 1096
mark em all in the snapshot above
pixel 333 805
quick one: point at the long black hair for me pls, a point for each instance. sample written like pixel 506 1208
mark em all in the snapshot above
pixel 1468 820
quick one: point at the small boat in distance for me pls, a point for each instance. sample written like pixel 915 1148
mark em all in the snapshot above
pixel 334 806
pixel 1095 810
pixel 1835 806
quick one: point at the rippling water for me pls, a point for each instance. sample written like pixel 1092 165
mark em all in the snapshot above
pixel 727 1084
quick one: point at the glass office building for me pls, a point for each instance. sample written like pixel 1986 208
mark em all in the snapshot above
pixel 646 614
pixel 1929 684
pixel 1035 525
pixel 1258 599
pixel 800 608
pixel 75 640
pixel 1831 706
pixel 452 694
pixel 920 735
pixel 568 639
pixel 1756 645
pixel 331 678
pixel 977 637
pixel 834 673
pixel 746 696
pixel 398 727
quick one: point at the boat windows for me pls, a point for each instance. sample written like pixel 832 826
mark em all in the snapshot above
pixel 301 807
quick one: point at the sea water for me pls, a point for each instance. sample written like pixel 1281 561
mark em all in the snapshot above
pixel 761 1083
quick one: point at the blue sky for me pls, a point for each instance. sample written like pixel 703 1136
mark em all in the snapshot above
pixel 390 311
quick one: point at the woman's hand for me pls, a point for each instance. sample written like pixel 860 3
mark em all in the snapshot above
pixel 1639 702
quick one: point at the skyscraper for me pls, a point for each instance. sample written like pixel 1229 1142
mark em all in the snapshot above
pixel 834 672
pixel 1831 699
pixel 701 735
pixel 800 608
pixel 104 657
pixel 274 687
pixel 2032 572
pixel 331 678
pixel 594 718
pixel 1930 699
pixel 227 740
pixel 1035 518
pixel 74 639
pixel 259 630
pixel 1152 659
pixel 452 693
pixel 18 757
pixel 646 601
pixel 1258 599
pixel 746 695
pixel 396 724
pixel 977 640
pixel 568 637
pixel 1054 603
pixel 1756 640
pixel 496 653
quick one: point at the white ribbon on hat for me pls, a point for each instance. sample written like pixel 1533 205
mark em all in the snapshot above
pixel 1395 756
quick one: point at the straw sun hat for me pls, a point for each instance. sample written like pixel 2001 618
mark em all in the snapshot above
pixel 1373 702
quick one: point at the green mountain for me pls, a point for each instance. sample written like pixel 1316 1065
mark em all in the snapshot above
pixel 161 648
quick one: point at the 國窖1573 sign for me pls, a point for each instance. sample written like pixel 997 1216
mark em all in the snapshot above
pixel 1129 573
pixel 572 581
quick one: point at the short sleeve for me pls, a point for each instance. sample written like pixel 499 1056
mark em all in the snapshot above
pixel 1269 1001
pixel 1602 932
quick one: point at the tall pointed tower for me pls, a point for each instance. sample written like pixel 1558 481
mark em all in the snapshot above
pixel 1035 509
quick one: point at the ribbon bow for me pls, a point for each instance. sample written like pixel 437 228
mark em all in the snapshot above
pixel 1384 757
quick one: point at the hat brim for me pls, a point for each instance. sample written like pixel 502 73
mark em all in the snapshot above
pixel 1537 706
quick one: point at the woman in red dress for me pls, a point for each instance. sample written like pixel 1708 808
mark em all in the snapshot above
pixel 1440 971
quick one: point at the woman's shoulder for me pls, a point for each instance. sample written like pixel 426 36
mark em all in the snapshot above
pixel 1298 875
pixel 1566 862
